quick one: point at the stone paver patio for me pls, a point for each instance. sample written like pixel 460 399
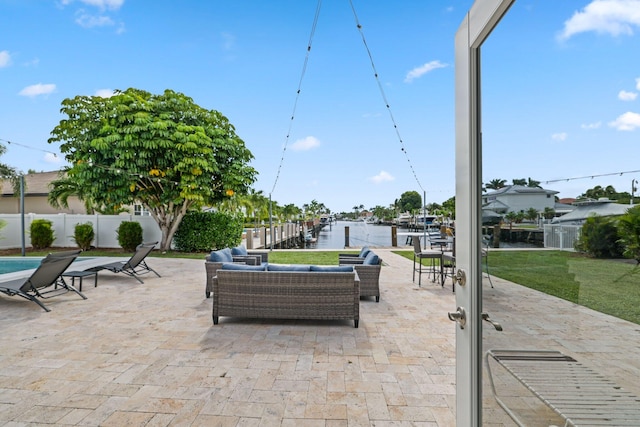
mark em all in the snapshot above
pixel 149 354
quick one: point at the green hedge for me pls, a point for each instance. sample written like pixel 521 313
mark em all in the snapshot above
pixel 41 233
pixel 206 231
pixel 129 235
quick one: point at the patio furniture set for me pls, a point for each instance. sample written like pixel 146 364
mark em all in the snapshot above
pixel 245 284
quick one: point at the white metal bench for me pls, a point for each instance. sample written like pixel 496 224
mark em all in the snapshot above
pixel 579 395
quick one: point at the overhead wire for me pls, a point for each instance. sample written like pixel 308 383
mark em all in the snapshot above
pixel 28 146
pixel 295 103
pixel 384 96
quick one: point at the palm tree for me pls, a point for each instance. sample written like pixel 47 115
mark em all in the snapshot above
pixel 533 183
pixel 63 188
pixel 496 184
pixel 531 214
pixel 9 173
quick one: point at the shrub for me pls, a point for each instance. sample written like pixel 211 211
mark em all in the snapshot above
pixel 41 233
pixel 629 233
pixel 206 231
pixel 83 235
pixel 129 235
pixel 599 238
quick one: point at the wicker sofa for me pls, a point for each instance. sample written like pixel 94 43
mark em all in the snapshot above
pixel 319 294
pixel 237 255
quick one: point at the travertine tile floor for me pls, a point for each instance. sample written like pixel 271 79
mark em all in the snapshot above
pixel 149 354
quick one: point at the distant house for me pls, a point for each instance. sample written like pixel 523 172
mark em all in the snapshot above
pixel 583 210
pixel 517 198
pixel 35 196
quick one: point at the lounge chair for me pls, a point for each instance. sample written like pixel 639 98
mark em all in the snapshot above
pixel 46 275
pixel 134 266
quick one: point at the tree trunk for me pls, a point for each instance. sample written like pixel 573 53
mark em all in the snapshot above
pixel 168 221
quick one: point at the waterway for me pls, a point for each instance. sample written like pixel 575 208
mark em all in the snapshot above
pixel 360 234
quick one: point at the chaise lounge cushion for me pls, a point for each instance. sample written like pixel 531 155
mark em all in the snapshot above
pixel 332 268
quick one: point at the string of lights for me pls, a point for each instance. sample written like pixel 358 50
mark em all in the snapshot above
pixel 27 146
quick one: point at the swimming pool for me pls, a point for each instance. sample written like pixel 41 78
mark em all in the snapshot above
pixel 16 264
pixel 13 264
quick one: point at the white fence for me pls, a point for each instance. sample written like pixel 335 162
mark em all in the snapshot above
pixel 561 236
pixel 104 226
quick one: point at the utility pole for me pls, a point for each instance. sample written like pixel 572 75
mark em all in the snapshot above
pixel 633 189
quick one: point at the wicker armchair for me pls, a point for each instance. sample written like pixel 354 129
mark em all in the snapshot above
pixel 211 267
pixel 369 274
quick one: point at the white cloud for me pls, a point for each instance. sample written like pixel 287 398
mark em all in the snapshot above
pixel 623 95
pixel 101 4
pixel 86 20
pixel 638 83
pixel 5 58
pixel 305 144
pixel 104 93
pixel 52 158
pixel 589 126
pixel 422 70
pixel 627 121
pixel 612 17
pixel 228 41
pixel 382 177
pixel 38 89
pixel 560 136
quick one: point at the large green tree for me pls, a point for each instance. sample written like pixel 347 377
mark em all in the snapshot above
pixel 162 151
pixel 409 201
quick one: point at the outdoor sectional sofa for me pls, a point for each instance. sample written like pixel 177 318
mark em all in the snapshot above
pixel 286 292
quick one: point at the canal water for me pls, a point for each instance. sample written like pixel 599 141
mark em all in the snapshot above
pixel 363 234
pixel 360 234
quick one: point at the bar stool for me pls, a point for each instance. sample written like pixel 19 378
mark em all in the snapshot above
pixel 419 254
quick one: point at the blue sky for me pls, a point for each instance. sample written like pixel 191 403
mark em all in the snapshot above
pixel 560 87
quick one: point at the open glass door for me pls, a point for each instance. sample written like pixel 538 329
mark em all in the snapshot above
pixel 569 347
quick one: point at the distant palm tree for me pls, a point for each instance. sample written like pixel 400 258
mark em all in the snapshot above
pixel 533 183
pixel 496 184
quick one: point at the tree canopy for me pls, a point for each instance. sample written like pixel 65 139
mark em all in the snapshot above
pixel 410 201
pixel 9 173
pixel 162 151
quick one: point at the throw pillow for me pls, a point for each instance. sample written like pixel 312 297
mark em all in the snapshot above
pixel 371 259
pixel 239 250
pixel 365 250
pixel 222 255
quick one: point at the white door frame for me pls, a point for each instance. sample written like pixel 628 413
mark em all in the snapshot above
pixel 480 20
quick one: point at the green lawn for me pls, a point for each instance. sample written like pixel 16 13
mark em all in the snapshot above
pixel 607 286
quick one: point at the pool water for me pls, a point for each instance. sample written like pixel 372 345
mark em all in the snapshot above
pixel 11 265
pixel 15 264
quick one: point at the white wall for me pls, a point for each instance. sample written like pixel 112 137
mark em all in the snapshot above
pixel 104 226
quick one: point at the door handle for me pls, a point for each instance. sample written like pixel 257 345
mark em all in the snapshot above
pixel 459 316
pixel 485 317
